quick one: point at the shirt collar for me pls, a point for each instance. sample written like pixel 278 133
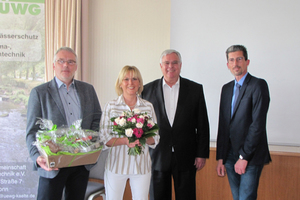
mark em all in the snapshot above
pixel 176 84
pixel 240 82
pixel 60 83
pixel 121 100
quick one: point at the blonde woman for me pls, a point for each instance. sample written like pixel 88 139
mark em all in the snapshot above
pixel 119 165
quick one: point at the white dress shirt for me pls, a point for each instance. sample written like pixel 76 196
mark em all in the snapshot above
pixel 171 99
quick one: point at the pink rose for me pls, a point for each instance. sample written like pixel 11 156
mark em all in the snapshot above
pixel 150 125
pixel 131 119
pixel 140 120
pixel 138 132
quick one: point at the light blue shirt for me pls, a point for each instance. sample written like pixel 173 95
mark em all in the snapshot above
pixel 240 82
pixel 70 101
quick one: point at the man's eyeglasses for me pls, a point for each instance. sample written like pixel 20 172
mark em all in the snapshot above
pixel 69 62
pixel 238 59
pixel 172 63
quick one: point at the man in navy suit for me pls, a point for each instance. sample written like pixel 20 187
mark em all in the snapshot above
pixel 242 146
pixel 62 100
pixel 181 113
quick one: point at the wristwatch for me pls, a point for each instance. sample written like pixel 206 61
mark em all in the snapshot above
pixel 241 157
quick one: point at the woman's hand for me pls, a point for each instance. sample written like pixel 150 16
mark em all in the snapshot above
pixel 122 141
pixel 150 141
pixel 132 144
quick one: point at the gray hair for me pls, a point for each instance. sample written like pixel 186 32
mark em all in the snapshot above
pixel 235 48
pixel 167 52
pixel 64 49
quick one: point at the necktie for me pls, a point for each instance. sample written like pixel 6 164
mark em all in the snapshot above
pixel 237 91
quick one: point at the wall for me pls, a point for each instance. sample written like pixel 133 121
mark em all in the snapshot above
pixel 280 180
pixel 203 30
pixel 136 32
pixel 130 32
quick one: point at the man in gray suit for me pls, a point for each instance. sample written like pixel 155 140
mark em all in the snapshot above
pixel 62 100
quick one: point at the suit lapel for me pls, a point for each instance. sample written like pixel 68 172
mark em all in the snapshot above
pixel 227 92
pixel 53 91
pixel 183 93
pixel 242 92
pixel 159 95
pixel 81 95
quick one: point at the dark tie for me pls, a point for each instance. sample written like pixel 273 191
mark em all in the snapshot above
pixel 237 91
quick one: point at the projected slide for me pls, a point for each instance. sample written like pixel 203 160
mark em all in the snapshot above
pixel 22 66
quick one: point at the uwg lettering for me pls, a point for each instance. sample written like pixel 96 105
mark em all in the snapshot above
pixel 21 7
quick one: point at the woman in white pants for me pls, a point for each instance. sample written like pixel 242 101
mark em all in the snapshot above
pixel 119 165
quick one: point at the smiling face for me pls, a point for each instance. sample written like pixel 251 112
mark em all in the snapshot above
pixel 170 67
pixel 237 64
pixel 65 70
pixel 130 84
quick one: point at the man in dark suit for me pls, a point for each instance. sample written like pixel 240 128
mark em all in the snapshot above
pixel 62 100
pixel 242 146
pixel 184 131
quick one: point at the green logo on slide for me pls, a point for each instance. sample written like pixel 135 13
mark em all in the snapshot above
pixel 20 7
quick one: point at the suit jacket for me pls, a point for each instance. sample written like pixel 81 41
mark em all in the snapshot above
pixel 245 131
pixel 44 102
pixel 189 135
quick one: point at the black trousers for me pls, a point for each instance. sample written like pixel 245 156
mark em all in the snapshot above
pixel 184 183
pixel 73 179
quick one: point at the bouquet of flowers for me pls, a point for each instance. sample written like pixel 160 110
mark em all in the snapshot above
pixel 135 126
pixel 66 141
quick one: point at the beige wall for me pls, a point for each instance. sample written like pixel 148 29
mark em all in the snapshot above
pixel 131 32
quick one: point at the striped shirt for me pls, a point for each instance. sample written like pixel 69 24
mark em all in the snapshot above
pixel 118 160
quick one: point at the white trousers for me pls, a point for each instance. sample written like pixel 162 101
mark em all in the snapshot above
pixel 115 185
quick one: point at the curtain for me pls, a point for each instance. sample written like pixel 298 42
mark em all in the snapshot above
pixel 63 28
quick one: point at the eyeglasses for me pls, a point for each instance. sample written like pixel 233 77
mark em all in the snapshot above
pixel 172 63
pixel 70 62
pixel 132 79
pixel 238 59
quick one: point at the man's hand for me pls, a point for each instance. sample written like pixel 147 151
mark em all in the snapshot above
pixel 41 161
pixel 221 168
pixel 240 166
pixel 199 163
